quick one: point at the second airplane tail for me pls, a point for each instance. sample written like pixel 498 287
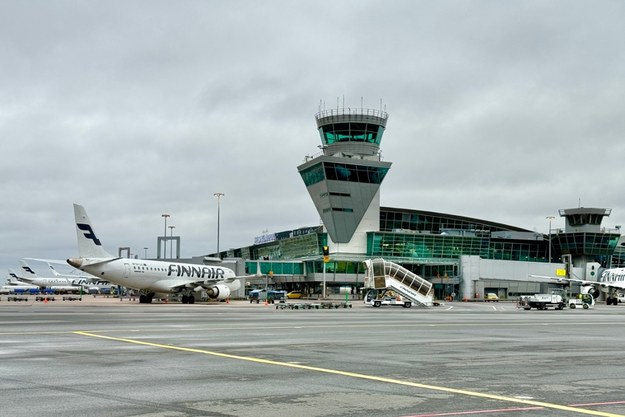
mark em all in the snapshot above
pixel 89 246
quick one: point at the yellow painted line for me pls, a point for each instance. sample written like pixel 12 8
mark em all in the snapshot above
pixel 360 376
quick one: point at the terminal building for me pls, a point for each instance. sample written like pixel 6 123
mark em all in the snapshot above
pixel 463 257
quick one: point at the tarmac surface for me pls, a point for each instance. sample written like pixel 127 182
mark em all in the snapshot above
pixel 105 357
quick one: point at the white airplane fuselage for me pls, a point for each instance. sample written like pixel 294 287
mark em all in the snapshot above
pixel 613 276
pixel 155 276
pixel 50 282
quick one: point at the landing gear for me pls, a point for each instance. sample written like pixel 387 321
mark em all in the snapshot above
pixel 187 299
pixel 146 298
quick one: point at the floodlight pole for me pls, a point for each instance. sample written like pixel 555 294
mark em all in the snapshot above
pixel 165 216
pixel 218 195
pixel 171 243
pixel 550 218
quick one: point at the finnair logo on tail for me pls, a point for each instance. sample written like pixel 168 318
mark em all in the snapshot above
pixel 27 269
pixel 89 233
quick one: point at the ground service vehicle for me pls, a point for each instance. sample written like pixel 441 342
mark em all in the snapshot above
pixel 384 297
pixel 256 296
pixel 294 294
pixel 543 301
pixel 584 301
pixel 491 296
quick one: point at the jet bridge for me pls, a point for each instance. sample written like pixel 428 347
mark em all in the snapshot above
pixel 381 274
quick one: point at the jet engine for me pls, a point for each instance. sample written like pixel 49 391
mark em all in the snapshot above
pixel 590 289
pixel 218 292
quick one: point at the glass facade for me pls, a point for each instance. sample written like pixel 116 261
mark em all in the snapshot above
pixel 423 247
pixel 618 259
pixel 275 268
pixel 430 248
pixel 336 267
pixel 343 172
pixel 423 221
pixel 430 245
pixel 351 132
pixel 600 245
pixel 428 235
pixel 518 250
pixel 302 246
pixel 313 174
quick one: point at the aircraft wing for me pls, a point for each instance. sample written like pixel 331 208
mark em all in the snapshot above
pixel 618 285
pixel 177 284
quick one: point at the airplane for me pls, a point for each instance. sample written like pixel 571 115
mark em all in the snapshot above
pixel 91 283
pixel 15 280
pixel 148 276
pixel 59 285
pixel 611 282
pixel 94 284
pixel 15 286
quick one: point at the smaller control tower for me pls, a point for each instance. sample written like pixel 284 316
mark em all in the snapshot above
pixel 583 237
pixel 344 182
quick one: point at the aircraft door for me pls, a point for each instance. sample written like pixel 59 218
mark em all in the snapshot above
pixel 126 270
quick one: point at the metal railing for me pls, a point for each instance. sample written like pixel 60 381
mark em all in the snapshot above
pixel 349 111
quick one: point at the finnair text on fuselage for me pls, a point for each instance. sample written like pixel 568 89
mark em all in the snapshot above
pixel 202 272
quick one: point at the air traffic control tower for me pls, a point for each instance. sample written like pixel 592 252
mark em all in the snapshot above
pixel 583 237
pixel 344 181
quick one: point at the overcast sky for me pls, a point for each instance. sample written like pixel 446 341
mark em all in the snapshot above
pixel 498 110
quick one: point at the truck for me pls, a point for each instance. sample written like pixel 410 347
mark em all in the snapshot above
pixel 543 301
pixel 386 297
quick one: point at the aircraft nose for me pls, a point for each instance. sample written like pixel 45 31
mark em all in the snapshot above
pixel 75 262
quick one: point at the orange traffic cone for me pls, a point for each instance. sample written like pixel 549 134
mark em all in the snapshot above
pixel 228 300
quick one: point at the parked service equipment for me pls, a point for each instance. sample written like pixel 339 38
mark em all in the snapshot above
pixel 543 301
pixel 410 287
pixel 584 301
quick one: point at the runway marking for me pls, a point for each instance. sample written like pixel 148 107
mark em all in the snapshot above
pixel 468 413
pixel 499 410
pixel 468 393
pixel 324 326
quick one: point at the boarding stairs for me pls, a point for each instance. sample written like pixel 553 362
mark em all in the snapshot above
pixel 381 274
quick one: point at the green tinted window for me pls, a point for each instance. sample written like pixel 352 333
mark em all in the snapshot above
pixel 352 132
pixel 313 175
pixel 355 173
